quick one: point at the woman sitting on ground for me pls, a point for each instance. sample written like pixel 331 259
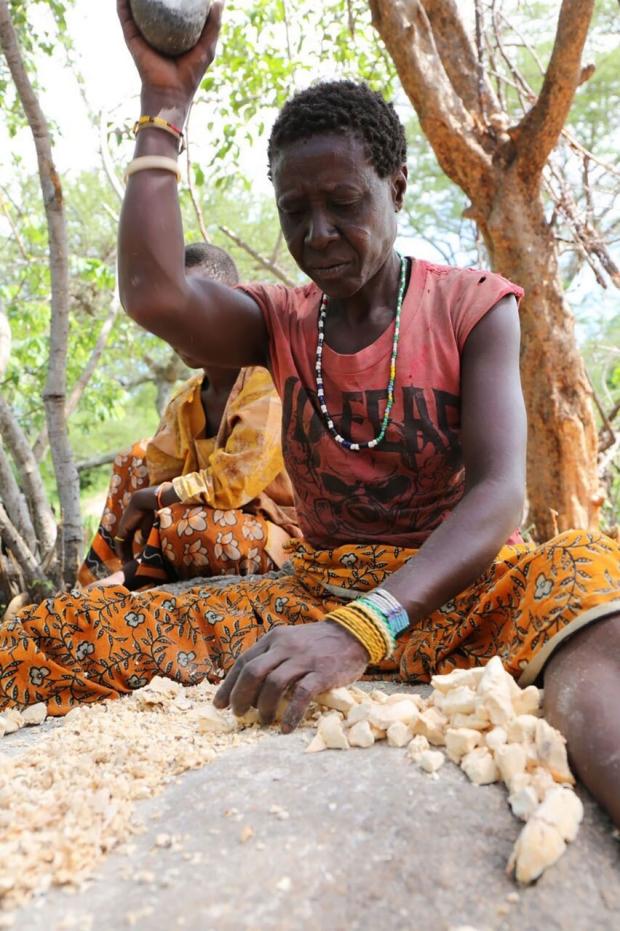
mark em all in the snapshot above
pixel 208 493
pixel 404 435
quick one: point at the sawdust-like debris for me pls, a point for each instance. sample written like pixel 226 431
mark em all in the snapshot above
pixel 69 800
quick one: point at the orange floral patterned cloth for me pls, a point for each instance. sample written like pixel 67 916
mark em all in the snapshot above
pixel 237 501
pixel 84 646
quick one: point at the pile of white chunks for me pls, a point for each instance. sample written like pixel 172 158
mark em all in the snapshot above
pixel 489 727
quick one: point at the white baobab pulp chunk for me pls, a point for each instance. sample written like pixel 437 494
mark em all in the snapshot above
pixel 460 741
pixel 361 735
pixel 510 759
pixel 479 766
pixel 461 700
pixel 551 750
pixel 34 714
pixel 331 730
pixel 431 760
pixel 398 734
pixel 338 700
pixel 538 847
pixel 382 716
pixel 432 725
pixel 469 677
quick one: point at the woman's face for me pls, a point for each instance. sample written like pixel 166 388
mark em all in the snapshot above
pixel 337 216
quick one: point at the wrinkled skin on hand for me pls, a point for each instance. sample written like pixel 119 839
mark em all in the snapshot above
pixel 175 78
pixel 296 662
pixel 138 515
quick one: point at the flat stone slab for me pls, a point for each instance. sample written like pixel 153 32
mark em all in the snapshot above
pixel 267 837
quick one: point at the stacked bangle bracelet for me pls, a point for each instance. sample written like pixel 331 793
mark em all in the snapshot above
pixel 156 122
pixel 391 609
pixel 375 620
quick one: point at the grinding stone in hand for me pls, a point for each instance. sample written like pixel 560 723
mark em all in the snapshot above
pixel 171 26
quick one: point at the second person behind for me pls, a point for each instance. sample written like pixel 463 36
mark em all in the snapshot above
pixel 208 494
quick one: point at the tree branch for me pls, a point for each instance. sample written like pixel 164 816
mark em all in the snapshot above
pixel 14 230
pixel 33 571
pixel 190 181
pixel 449 126
pixel 54 393
pixel 13 500
pixel 89 464
pixel 458 56
pixel 106 158
pixel 540 128
pixel 28 469
pixel 266 263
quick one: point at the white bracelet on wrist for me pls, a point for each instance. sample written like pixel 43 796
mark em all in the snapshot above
pixel 144 162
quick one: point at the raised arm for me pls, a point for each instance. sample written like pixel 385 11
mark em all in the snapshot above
pixel 203 318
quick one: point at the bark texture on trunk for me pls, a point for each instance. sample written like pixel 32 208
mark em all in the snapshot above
pixel 54 395
pixel 500 168
pixel 32 483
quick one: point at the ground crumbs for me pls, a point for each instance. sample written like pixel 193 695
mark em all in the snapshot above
pixel 70 799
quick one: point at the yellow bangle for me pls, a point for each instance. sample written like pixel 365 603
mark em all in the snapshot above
pixel 359 621
pixel 144 162
pixel 156 122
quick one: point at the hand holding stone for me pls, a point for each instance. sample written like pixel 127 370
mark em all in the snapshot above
pixel 172 82
pixel 172 27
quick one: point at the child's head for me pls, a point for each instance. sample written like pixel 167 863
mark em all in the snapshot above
pixel 204 260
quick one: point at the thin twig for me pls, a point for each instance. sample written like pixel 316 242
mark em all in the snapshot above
pixel 266 263
pixel 14 230
pixel 106 158
pixel 276 248
pixel 89 464
pixel 190 182
pixel 600 408
pixel 480 64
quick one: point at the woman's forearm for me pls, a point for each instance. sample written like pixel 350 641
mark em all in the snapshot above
pixel 459 550
pixel 151 228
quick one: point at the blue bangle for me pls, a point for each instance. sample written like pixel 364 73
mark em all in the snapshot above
pixel 395 615
pixel 380 618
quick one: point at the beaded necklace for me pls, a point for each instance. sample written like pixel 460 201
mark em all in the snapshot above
pixel 355 447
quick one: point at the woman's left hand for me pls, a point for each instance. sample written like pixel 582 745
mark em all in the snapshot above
pixel 296 662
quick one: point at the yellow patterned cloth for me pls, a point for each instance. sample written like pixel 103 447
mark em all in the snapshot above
pixel 237 508
pixel 242 464
pixel 84 646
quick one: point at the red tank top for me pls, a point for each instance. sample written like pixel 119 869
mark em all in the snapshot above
pixel 399 492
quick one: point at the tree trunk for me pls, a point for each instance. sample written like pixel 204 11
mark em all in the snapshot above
pixel 563 484
pixel 500 170
pixel 54 394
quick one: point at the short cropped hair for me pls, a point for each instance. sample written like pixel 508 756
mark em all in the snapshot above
pixel 215 262
pixel 339 108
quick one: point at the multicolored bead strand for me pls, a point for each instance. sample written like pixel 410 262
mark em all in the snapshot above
pixel 355 447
